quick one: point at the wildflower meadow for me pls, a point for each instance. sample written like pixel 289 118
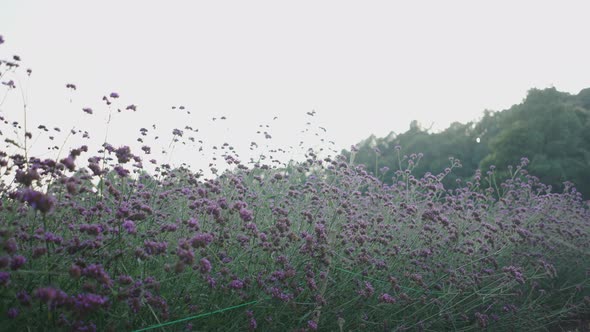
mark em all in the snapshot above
pixel 92 240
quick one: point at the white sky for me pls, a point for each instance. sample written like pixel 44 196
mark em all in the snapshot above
pixel 364 66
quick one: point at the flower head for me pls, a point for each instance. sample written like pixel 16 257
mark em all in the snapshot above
pixel 12 313
pixel 37 200
pixel 204 265
pixel 123 154
pixel 129 226
pixel 4 278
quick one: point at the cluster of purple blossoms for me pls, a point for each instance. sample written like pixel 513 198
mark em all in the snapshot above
pixel 236 284
pixel 17 262
pixel 123 154
pixel 204 265
pixel 312 325
pixel 4 278
pixel 88 302
pixel 129 226
pixel 36 199
pixel 201 240
pixel 97 272
pixel 515 273
pixel 27 177
pixel 53 297
pixel 12 313
pixel 367 291
pixel 121 171
pixel 386 298
pixel 246 215
pixel 155 247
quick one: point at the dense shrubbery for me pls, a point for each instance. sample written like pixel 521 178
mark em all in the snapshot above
pixel 92 242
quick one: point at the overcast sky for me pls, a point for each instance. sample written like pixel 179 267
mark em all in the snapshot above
pixel 366 67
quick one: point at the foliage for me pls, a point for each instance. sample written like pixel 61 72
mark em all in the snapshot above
pixel 549 127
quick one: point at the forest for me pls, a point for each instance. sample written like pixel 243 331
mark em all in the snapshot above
pixel 550 128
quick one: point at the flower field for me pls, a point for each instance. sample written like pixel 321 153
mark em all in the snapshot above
pixel 90 241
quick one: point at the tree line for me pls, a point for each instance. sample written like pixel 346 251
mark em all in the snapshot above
pixel 549 127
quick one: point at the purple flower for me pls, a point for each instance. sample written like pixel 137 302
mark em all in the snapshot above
pixel 92 229
pixel 386 298
pixel 186 256
pixel 125 279
pixel 278 294
pixel 12 313
pixel 97 272
pixel 27 177
pixel 50 237
pixel 37 200
pixel 11 246
pixel 1 39
pixel 168 228
pixel 17 262
pixel 95 168
pixel 52 296
pixel 87 110
pixel 154 247
pixel 4 278
pixel 114 95
pixel 84 303
pixel 201 240
pixel 123 154
pixel 68 162
pixel 252 325
pixel 129 226
pixel 246 214
pixel 515 272
pixel 482 320
pixel 193 223
pixel 122 172
pixel 23 297
pixel 75 271
pixel 368 290
pixel 204 265
pixel 211 281
pixel 236 284
pixel 251 226
pixel 313 325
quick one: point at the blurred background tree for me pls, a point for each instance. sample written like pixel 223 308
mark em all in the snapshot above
pixel 550 128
